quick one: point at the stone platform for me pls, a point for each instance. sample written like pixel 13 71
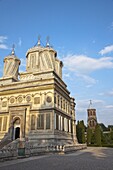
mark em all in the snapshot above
pixel 20 149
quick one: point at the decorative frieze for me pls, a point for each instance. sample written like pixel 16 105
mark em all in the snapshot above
pixel 4 104
pixel 37 100
pixel 12 100
pixel 28 98
pixel 20 99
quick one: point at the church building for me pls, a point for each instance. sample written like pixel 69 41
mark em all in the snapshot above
pixel 36 105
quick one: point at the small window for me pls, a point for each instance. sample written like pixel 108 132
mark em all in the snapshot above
pixel 61 103
pixel 40 121
pixel 5 124
pixel 57 122
pixel 63 123
pixel 0 123
pixel 64 104
pixel 33 122
pixel 55 99
pixel 48 121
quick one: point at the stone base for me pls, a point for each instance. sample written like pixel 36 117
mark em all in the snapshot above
pixel 17 149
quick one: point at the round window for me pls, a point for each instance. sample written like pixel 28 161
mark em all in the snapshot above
pixel 49 99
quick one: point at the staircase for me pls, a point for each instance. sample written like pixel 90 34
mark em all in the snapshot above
pixel 5 141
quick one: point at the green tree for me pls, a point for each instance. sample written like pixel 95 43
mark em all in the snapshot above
pixel 97 135
pixel 103 127
pixel 103 138
pixel 80 129
pixel 89 136
pixel 111 136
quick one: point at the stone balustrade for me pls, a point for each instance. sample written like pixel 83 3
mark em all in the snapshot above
pixel 8 153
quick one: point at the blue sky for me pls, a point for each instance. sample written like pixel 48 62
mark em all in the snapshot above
pixel 81 31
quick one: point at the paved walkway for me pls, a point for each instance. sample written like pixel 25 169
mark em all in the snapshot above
pixel 88 159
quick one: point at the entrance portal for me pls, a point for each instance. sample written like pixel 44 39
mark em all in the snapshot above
pixel 17 132
pixel 16 129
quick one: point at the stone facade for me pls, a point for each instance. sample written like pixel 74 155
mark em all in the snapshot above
pixel 35 105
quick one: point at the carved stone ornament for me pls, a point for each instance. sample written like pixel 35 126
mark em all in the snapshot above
pixel 28 98
pixel 4 104
pixel 20 99
pixel 12 100
pixel 37 100
pixel 49 99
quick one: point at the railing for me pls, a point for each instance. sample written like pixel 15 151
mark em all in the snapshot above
pixel 29 150
pixel 7 154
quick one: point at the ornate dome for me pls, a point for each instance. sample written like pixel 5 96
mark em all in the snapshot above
pixel 43 59
pixel 11 65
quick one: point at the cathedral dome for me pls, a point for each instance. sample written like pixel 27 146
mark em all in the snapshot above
pixel 11 65
pixel 43 59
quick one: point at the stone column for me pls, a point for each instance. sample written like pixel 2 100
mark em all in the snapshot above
pixel 74 132
pixel 61 123
pixel 69 125
pixel 54 120
pixel 65 124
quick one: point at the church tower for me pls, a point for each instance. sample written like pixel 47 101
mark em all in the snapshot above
pixel 92 119
pixel 11 67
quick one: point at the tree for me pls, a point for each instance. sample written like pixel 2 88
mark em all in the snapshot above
pixel 103 127
pixel 89 136
pixel 80 129
pixel 104 138
pixel 111 136
pixel 97 135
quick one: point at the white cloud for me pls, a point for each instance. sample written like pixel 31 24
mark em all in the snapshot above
pixel 87 79
pixel 3 46
pixel 98 103
pixel 23 62
pixel 109 106
pixel 83 64
pixel 2 39
pixel 106 50
pixel 110 93
pixel 66 75
pixel 23 65
pixel 89 86
pixel 101 94
pixel 111 26
pixel 20 42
